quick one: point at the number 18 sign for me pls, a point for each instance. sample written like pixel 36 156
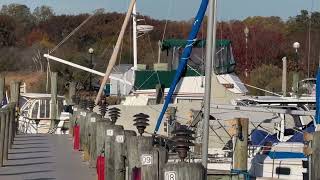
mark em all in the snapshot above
pixel 170 175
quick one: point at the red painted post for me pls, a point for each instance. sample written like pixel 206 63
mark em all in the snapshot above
pixel 76 139
pixel 100 167
pixel 136 173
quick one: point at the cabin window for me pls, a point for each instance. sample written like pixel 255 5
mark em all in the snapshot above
pixel 283 170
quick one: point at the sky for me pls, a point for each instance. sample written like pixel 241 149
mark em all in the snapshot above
pixel 179 9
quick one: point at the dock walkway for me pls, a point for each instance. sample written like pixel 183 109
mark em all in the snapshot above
pixel 45 157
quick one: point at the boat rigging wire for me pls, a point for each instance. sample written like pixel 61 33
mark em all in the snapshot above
pixel 73 32
pixel 166 24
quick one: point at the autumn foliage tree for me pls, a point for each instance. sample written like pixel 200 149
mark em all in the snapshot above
pixel 24 31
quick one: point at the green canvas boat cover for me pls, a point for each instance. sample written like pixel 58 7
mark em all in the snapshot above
pixel 148 79
pixel 170 43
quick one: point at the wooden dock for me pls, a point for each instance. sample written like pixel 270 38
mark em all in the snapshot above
pixel 45 157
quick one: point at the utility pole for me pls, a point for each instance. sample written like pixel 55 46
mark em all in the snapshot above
pixel 210 56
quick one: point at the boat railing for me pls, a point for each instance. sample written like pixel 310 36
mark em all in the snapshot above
pixel 33 125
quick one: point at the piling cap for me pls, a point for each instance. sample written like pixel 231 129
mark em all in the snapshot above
pixel 182 141
pixel 141 122
pixel 141 115
pixel 114 114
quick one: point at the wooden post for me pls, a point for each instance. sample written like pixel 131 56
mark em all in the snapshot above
pixel 82 123
pixel 11 119
pixel 85 135
pixel 153 162
pixel 183 170
pixel 72 92
pixel 315 160
pixel 94 118
pixel 15 94
pixel 135 146
pixel 171 117
pixel 240 156
pixel 6 136
pixel 75 116
pixel 54 94
pixel 2 134
pixel 14 91
pixel 14 97
pixel 2 87
pixel 114 151
pixel 101 135
pixel 159 94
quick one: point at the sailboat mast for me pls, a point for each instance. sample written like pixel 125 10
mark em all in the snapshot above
pixel 134 25
pixel 210 56
pixel 115 53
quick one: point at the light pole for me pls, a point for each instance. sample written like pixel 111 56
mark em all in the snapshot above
pixel 91 51
pixel 246 33
pixel 295 80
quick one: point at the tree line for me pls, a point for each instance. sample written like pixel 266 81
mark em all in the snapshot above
pixel 25 35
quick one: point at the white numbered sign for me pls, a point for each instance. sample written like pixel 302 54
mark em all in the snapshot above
pixel 110 132
pixel 84 114
pixel 119 138
pixel 146 159
pixel 75 109
pixel 170 175
pixel 93 119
